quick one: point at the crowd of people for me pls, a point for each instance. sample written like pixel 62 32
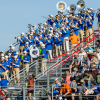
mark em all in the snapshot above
pixel 54 38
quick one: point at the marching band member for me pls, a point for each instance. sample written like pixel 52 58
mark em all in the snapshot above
pixel 18 57
pixel 15 67
pixel 26 61
pixel 30 40
pixel 41 33
pixel 98 16
pixel 10 49
pixel 89 27
pixel 22 43
pixel 8 65
pixel 13 51
pixel 49 42
pixel 80 33
pixel 44 58
pixel 3 66
pixel 26 48
pixel 76 29
pixel 35 30
pixel 58 42
pixel 66 33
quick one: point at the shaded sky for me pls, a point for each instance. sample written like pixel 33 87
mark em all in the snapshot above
pixel 15 15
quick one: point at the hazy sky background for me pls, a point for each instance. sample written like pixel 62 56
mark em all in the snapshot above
pixel 15 15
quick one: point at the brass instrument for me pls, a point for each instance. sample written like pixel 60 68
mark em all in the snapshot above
pixel 29 25
pixel 61 6
pixel 71 8
pixel 80 5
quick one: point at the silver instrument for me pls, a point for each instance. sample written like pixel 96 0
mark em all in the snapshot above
pixel 80 5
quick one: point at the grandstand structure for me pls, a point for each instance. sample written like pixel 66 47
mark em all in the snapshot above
pixel 56 68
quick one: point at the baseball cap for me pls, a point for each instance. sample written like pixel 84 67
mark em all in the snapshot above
pixel 57 79
pixel 6 56
pixel 2 58
pixel 26 43
pixel 10 45
pixel 25 52
pixel 13 48
pixel 2 55
pixel 45 23
pixel 9 54
pixel 51 15
pixel 50 34
pixel 41 43
pixel 22 33
pixel 15 56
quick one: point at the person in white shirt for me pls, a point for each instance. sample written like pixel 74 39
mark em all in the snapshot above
pixel 98 54
pixel 82 53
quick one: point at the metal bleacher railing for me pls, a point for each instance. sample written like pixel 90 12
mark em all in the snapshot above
pixel 53 71
pixel 24 93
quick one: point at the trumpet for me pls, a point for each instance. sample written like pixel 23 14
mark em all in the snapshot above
pixel 17 37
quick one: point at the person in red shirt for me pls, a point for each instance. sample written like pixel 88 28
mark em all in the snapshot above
pixel 30 87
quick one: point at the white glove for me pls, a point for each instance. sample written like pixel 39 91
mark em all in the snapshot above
pixel 19 38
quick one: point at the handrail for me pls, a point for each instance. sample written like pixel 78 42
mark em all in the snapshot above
pixel 96 36
pixel 22 70
pixel 73 47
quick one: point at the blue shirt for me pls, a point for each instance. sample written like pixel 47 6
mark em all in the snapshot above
pixel 37 42
pixel 4 65
pixel 89 25
pixel 61 38
pixel 19 58
pixel 49 45
pixel 14 53
pixel 30 43
pixel 92 16
pixel 8 63
pixel 80 25
pixel 45 52
pixel 26 49
pixel 66 34
pixel 96 90
pixel 87 50
pixel 26 58
pixel 16 63
pixel 76 31
pixel 10 59
pixel 23 39
pixel 59 42
pixel 9 51
pixel 98 15
pixel 3 83
pixel 36 31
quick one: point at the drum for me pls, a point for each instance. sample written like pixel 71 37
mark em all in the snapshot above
pixel 34 51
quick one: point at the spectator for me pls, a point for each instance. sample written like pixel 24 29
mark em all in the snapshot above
pixel 56 89
pixel 75 62
pixel 88 78
pixel 98 54
pixel 65 91
pixel 30 87
pixel 98 78
pixel 75 69
pixel 8 97
pixel 3 84
pixel 89 48
pixel 68 77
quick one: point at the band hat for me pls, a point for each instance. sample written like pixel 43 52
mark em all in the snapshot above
pixel 22 33
pixel 50 34
pixel 13 48
pixel 43 45
pixel 17 53
pixel 2 55
pixel 51 31
pixel 57 79
pixel 15 56
pixel 1 51
pixel 32 30
pixel 10 45
pixel 40 35
pixel 6 56
pixel 9 54
pixel 24 52
pixel 2 58
pixel 45 23
pixel 40 31
pixel 26 43
pixel 91 8
pixel 54 24
pixel 51 15
pixel 90 52
pixel 51 28
pixel 60 33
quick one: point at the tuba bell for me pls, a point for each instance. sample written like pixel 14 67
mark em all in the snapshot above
pixel 80 5
pixel 71 8
pixel 61 6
